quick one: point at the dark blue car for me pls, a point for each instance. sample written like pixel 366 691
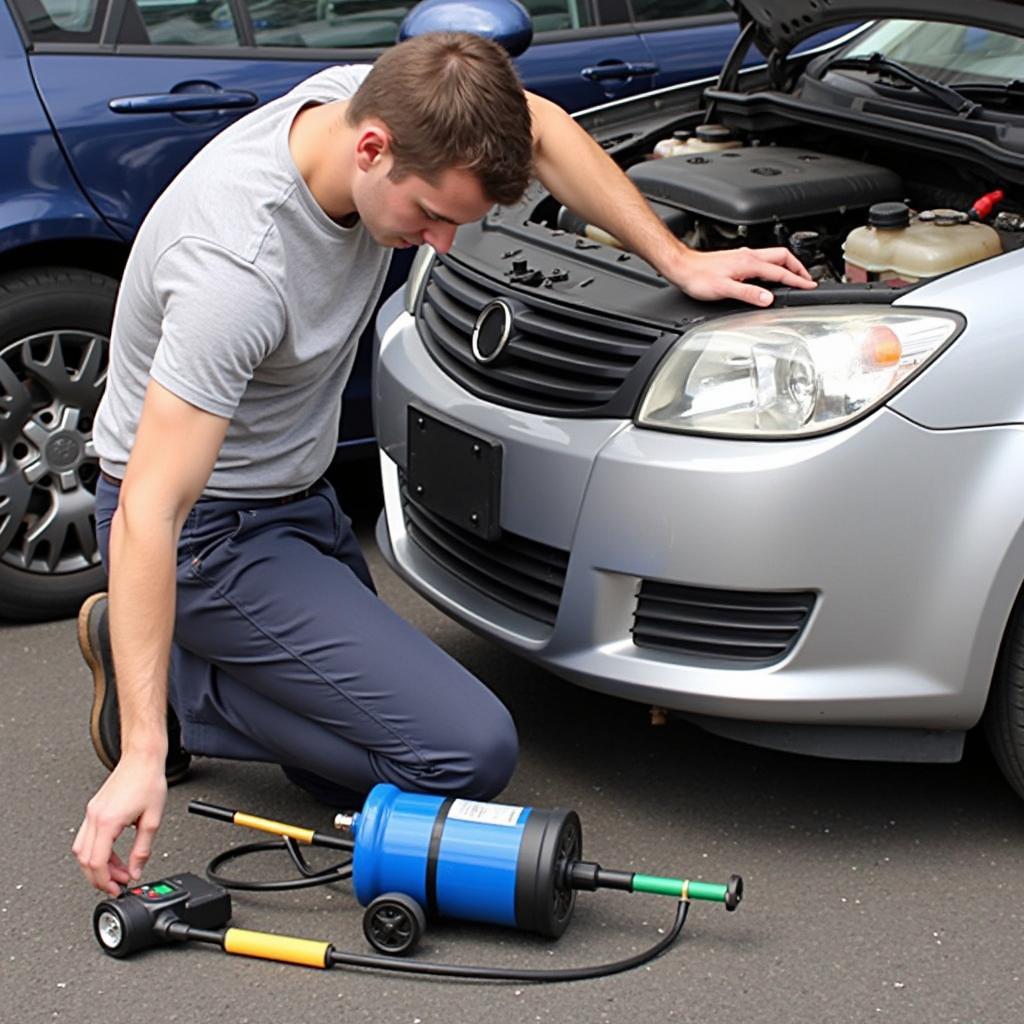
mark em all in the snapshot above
pixel 102 102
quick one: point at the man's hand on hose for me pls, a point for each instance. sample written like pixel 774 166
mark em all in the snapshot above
pixel 134 794
pixel 722 275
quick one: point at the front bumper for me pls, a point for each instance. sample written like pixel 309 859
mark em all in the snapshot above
pixel 907 617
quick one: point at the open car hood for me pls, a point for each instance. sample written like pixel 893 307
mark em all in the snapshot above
pixel 781 24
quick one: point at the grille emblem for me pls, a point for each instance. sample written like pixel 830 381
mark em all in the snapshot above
pixel 492 330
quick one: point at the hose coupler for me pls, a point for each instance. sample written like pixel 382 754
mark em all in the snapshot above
pixel 590 877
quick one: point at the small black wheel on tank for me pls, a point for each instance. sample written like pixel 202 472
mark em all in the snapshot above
pixel 1003 720
pixel 393 924
pixel 54 341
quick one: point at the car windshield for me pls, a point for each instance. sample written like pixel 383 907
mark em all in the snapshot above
pixel 946 53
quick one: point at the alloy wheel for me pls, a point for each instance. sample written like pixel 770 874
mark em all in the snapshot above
pixel 50 387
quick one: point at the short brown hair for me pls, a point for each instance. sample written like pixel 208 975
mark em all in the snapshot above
pixel 451 99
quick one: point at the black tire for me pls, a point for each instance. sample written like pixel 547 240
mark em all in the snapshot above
pixel 54 343
pixel 1004 715
pixel 394 923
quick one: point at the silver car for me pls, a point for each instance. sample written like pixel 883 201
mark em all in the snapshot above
pixel 800 527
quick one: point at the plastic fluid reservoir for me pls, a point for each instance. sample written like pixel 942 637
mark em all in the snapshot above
pixel 668 147
pixel 895 248
pixel 705 138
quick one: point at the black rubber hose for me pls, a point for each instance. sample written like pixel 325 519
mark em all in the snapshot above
pixel 336 873
pixel 341 958
pixel 335 957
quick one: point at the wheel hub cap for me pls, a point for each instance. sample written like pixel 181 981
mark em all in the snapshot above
pixel 61 452
pixel 65 451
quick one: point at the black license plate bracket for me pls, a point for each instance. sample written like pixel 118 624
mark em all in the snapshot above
pixel 454 473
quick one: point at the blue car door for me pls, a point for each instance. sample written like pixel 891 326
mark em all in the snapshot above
pixel 135 89
pixel 688 39
pixel 585 52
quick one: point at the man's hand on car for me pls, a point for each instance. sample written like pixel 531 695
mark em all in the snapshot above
pixel 134 794
pixel 723 275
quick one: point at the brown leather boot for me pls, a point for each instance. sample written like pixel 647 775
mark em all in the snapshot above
pixel 105 721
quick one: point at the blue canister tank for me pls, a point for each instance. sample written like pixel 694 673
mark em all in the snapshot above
pixel 467 859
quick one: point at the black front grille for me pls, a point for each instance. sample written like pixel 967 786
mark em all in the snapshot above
pixel 749 627
pixel 522 574
pixel 558 360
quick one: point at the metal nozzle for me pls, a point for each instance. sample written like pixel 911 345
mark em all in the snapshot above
pixel 344 821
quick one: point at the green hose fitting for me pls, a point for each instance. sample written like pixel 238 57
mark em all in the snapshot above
pixel 586 875
pixel 729 894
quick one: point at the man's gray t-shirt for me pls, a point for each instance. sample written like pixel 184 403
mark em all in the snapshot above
pixel 242 297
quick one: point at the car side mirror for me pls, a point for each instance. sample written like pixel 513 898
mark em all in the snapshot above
pixel 507 22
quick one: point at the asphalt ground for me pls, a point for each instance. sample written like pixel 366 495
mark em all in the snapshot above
pixel 874 892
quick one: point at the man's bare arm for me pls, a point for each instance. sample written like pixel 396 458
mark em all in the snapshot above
pixel 575 169
pixel 175 450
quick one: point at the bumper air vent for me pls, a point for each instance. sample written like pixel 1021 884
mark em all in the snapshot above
pixel 742 627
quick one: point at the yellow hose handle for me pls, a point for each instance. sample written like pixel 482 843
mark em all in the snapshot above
pixel 283 948
pixel 276 828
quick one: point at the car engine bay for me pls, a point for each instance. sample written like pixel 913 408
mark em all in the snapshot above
pixel 850 212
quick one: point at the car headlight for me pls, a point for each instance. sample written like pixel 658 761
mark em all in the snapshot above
pixel 791 372
pixel 418 276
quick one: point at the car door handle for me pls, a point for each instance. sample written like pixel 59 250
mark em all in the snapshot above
pixel 182 102
pixel 618 69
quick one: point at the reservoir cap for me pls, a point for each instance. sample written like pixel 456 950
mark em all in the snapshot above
pixel 889 215
pixel 714 133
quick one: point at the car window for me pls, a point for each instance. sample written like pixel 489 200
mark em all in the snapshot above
pixel 555 15
pixel 63 21
pixel 661 10
pixel 187 22
pixel 614 12
pixel 327 24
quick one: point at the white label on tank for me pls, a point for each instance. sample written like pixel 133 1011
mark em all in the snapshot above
pixel 487 814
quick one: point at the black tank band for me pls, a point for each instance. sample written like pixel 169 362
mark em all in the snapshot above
pixel 432 851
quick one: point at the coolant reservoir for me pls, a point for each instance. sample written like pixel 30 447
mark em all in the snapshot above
pixel 668 147
pixel 706 138
pixel 898 249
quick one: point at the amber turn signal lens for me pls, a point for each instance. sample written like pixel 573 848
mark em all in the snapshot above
pixel 882 346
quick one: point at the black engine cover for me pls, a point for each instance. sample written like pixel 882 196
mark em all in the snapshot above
pixel 761 184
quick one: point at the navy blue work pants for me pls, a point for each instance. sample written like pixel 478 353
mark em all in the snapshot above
pixel 284 653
